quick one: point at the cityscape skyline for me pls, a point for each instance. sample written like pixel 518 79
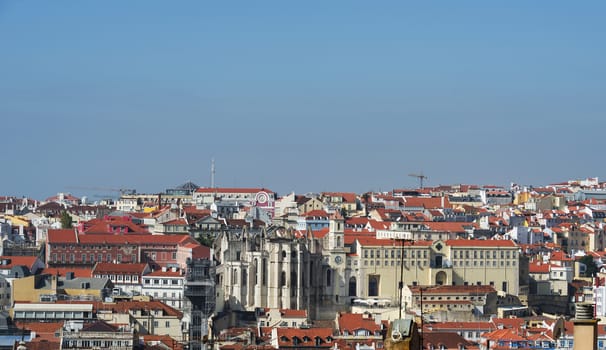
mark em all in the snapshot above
pixel 340 96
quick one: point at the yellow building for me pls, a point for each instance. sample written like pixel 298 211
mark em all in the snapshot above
pixel 50 288
pixel 375 266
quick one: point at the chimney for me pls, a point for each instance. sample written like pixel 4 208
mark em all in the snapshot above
pixel 585 327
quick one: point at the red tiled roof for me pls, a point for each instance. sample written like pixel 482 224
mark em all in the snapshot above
pixel 352 322
pixel 507 334
pixel 168 273
pixel 27 261
pixel 193 210
pixel 560 256
pixel 62 236
pixel 82 272
pixel 538 267
pixel 292 313
pixel 126 306
pixel 286 335
pixel 321 233
pixel 44 330
pixel 379 225
pixel 316 213
pixel 168 341
pixel 180 222
pixel 356 221
pixel 428 202
pixel 348 197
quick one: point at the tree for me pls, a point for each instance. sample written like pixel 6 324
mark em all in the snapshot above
pixel 206 240
pixel 592 268
pixel 66 220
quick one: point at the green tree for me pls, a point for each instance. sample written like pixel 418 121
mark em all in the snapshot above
pixel 66 220
pixel 592 268
pixel 206 240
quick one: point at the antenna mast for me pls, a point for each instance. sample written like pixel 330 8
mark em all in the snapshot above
pixel 212 173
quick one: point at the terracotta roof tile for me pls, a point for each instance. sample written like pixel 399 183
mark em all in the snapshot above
pixel 80 272
pixel 27 261
pixel 62 236
pixel 351 322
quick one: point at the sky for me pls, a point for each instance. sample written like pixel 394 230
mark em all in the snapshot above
pixel 303 96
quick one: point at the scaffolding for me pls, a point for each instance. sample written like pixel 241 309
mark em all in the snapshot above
pixel 200 291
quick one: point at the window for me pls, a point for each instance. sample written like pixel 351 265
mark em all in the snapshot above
pixel 109 257
pixel 167 324
pixel 283 279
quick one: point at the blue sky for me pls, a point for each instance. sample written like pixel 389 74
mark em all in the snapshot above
pixel 299 96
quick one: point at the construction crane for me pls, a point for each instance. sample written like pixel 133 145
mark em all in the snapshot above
pixel 122 191
pixel 419 176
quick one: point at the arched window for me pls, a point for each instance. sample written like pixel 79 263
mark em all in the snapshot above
pixel 264 272
pixel 373 286
pixel 328 277
pixel 282 279
pixel 284 254
pixel 352 287
pixel 338 241
pixel 256 271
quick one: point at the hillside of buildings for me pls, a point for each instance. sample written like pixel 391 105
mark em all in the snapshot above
pixel 469 267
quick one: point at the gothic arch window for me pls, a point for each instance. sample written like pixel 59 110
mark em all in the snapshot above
pixel 264 272
pixel 373 286
pixel 352 287
pixel 283 279
pixel 328 277
pixel 293 284
pixel 256 271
